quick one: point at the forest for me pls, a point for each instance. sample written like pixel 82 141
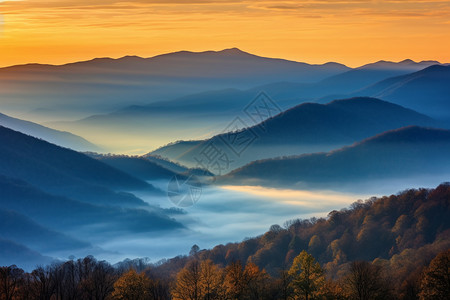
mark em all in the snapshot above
pixel 392 247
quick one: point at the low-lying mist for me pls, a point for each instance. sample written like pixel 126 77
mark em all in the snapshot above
pixel 223 214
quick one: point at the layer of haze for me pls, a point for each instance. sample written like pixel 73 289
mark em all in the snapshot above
pixel 316 31
pixel 230 214
pixel 222 215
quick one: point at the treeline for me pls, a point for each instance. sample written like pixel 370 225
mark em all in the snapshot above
pixel 203 280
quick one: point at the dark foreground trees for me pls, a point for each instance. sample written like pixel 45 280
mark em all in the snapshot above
pixel 203 280
pixel 365 281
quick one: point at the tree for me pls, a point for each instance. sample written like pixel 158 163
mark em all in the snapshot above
pixel 10 278
pixel 307 276
pixel 187 286
pixel 365 282
pixel 211 280
pixel 284 284
pixel 43 283
pixel 436 280
pixel 256 281
pixel 235 281
pixel 131 286
pixel 194 250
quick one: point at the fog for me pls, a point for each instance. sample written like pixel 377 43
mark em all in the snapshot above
pixel 222 215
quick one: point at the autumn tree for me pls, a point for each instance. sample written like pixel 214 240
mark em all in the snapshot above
pixel 235 281
pixel 307 277
pixel 187 286
pixel 436 280
pixel 256 281
pixel 211 281
pixel 131 286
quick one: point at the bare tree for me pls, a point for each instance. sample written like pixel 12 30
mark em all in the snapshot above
pixel 10 278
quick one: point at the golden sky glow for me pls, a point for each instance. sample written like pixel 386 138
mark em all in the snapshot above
pixel 349 31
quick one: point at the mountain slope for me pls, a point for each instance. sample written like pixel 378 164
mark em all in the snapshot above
pixel 399 154
pixel 71 215
pixel 426 91
pixel 138 167
pixel 61 138
pixel 12 253
pixel 306 128
pixel 21 229
pixel 369 74
pixel 64 171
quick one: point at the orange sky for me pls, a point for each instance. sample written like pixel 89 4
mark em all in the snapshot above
pixel 349 31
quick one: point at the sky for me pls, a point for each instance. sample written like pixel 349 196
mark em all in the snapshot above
pixel 352 32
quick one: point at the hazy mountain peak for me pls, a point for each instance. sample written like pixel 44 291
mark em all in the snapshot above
pixel 234 51
pixel 407 64
pixel 407 61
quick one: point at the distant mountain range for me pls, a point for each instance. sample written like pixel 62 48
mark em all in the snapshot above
pixel 207 113
pixel 60 138
pixel 401 154
pixel 104 84
pixel 306 128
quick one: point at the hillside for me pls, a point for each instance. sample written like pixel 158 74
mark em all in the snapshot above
pixel 65 172
pixel 306 128
pixel 426 91
pixel 401 154
pixel 60 138
pixel 21 229
pixel 60 226
pixel 138 167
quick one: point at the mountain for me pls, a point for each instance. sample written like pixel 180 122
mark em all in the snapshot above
pixel 138 167
pixel 163 162
pixel 361 77
pixel 149 167
pixel 12 253
pixel 104 84
pixel 21 229
pixel 76 216
pixel 60 138
pixel 207 113
pixel 306 128
pixel 60 226
pixel 426 91
pixel 402 154
pixel 65 172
